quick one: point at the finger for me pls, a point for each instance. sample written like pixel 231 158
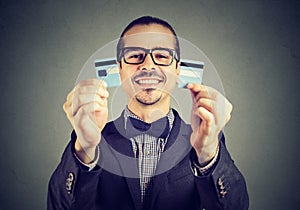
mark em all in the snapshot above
pixel 89 108
pixel 70 94
pixel 206 103
pixel 216 110
pixel 207 118
pixel 102 104
pixel 87 98
pixel 96 82
pixel 96 86
pixel 228 117
pixel 68 110
pixel 92 89
pixel 196 87
pixel 89 86
pixel 202 91
pixel 222 112
pixel 206 94
pixel 84 99
pixel 66 106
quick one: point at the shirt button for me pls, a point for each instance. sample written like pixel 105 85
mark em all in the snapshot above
pixel 148 153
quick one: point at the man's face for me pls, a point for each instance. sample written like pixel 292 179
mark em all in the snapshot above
pixel 147 82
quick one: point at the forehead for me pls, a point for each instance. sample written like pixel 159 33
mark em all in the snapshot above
pixel 149 36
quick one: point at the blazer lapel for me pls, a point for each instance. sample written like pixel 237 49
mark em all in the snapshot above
pixel 121 147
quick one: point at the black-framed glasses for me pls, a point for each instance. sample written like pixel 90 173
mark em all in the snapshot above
pixel 160 56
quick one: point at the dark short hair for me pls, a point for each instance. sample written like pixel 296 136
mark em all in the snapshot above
pixel 147 20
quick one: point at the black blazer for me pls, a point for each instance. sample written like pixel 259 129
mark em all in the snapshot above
pixel 112 184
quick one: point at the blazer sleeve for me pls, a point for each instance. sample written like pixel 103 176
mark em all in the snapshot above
pixel 72 186
pixel 225 187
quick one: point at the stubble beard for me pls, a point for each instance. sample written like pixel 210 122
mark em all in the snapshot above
pixel 148 97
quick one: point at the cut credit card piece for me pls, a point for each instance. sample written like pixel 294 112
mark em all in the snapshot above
pixel 107 70
pixel 190 72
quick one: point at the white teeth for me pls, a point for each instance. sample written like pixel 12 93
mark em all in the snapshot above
pixel 148 81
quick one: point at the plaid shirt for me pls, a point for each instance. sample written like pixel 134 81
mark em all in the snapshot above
pixel 147 149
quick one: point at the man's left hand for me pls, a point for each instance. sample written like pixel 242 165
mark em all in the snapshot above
pixel 210 113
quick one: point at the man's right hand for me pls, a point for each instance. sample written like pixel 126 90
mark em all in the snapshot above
pixel 86 109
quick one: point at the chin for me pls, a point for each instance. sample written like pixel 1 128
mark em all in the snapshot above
pixel 148 100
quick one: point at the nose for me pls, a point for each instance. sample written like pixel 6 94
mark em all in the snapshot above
pixel 148 63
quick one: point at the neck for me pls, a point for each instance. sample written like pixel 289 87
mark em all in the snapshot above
pixel 149 113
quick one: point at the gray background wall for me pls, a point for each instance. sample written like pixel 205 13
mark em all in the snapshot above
pixel 253 44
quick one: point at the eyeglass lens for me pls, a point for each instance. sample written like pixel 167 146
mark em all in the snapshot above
pixel 138 55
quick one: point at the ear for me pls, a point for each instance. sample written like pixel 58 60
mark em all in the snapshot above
pixel 178 64
pixel 119 65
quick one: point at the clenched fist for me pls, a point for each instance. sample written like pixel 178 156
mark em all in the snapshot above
pixel 86 109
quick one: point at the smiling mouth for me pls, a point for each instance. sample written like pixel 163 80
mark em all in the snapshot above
pixel 147 83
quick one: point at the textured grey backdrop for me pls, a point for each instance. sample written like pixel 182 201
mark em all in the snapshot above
pixel 254 45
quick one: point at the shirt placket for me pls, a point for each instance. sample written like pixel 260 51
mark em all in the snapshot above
pixel 148 150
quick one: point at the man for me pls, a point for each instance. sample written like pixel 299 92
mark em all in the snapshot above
pixel 171 165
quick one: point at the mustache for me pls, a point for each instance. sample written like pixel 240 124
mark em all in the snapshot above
pixel 152 73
